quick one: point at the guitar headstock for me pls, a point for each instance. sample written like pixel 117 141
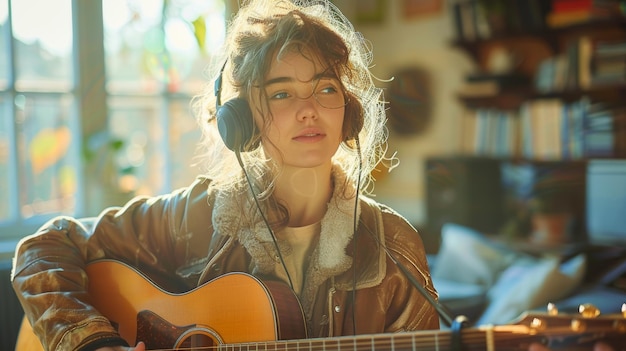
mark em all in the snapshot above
pixel 563 330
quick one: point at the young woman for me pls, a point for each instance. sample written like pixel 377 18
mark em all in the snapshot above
pixel 293 127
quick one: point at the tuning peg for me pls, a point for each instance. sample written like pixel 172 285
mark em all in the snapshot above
pixel 552 309
pixel 588 310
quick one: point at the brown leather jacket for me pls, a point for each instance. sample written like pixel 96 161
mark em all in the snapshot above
pixel 198 233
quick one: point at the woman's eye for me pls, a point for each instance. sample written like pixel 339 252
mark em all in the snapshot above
pixel 328 86
pixel 328 90
pixel 280 96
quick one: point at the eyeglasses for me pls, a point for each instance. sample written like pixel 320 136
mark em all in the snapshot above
pixel 327 91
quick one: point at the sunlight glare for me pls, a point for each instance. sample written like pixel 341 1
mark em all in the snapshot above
pixel 180 38
pixel 125 21
pixel 115 14
pixel 217 26
pixel 4 11
pixel 50 25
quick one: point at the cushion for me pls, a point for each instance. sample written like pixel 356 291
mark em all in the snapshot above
pixel 531 283
pixel 467 256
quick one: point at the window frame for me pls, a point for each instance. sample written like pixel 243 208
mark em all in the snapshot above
pixel 91 107
pixel 89 99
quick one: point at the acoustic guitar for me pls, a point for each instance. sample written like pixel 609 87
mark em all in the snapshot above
pixel 216 315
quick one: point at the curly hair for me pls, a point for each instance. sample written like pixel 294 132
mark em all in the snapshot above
pixel 262 30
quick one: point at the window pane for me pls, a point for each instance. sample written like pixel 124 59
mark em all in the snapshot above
pixel 43 44
pixel 146 159
pixel 150 48
pixel 184 135
pixel 138 146
pixel 48 154
pixel 7 177
pixel 4 45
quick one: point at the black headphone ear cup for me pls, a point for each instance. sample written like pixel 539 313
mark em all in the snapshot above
pixel 235 123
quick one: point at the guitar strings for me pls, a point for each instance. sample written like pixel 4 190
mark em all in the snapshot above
pixel 475 339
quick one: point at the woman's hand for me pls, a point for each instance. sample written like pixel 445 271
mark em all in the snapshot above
pixel 140 347
pixel 599 346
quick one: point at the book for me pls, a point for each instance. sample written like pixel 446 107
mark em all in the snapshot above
pixel 481 84
pixel 560 6
pixel 468 132
pixel 585 55
pixel 599 144
pixel 570 12
pixel 526 131
pixel 552 74
pixel 466 16
pixel 604 130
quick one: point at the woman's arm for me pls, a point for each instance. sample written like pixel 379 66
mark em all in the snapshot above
pixel 49 268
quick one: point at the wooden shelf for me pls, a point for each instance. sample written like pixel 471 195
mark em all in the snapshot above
pixel 509 100
pixel 551 36
pixel 542 123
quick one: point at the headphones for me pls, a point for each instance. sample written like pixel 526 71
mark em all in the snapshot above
pixel 234 119
pixel 236 124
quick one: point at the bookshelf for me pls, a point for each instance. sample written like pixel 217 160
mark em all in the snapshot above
pixel 572 54
pixel 547 97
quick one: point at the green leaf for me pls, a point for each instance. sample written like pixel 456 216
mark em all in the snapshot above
pixel 199 30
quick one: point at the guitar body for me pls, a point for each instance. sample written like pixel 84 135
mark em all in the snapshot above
pixel 237 312
pixel 234 308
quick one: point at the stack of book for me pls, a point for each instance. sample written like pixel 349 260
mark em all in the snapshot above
pixel 555 130
pixel 479 19
pixel 548 130
pixel 491 132
pixel 608 62
pixel 605 131
pixel 586 63
pixel 478 85
pixel 571 12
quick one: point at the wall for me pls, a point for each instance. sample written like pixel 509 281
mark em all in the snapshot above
pixel 422 42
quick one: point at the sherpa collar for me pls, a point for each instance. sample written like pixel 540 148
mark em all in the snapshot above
pixel 329 258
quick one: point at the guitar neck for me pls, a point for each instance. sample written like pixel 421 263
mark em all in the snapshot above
pixel 556 332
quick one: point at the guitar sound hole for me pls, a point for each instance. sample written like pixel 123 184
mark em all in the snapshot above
pixel 158 333
pixel 197 342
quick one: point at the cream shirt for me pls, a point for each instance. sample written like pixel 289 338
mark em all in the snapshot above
pixel 302 241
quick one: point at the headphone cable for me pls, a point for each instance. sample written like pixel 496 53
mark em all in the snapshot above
pixel 267 224
pixel 355 233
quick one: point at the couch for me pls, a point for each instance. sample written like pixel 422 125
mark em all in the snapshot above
pixel 491 282
pixel 10 310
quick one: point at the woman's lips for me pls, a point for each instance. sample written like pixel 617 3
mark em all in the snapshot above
pixel 310 135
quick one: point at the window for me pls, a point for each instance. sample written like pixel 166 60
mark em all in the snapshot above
pixel 95 102
pixel 156 53
pixel 39 160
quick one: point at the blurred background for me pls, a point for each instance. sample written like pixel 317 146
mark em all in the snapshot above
pixel 95 99
pixel 507 116
pixel 485 99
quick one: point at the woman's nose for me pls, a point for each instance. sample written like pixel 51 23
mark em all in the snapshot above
pixel 307 108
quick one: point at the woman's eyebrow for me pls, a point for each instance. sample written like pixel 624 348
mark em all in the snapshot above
pixel 323 74
pixel 278 80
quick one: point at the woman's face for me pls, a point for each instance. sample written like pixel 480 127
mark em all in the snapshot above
pixel 307 108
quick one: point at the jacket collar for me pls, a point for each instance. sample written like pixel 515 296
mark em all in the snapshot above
pixel 233 212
